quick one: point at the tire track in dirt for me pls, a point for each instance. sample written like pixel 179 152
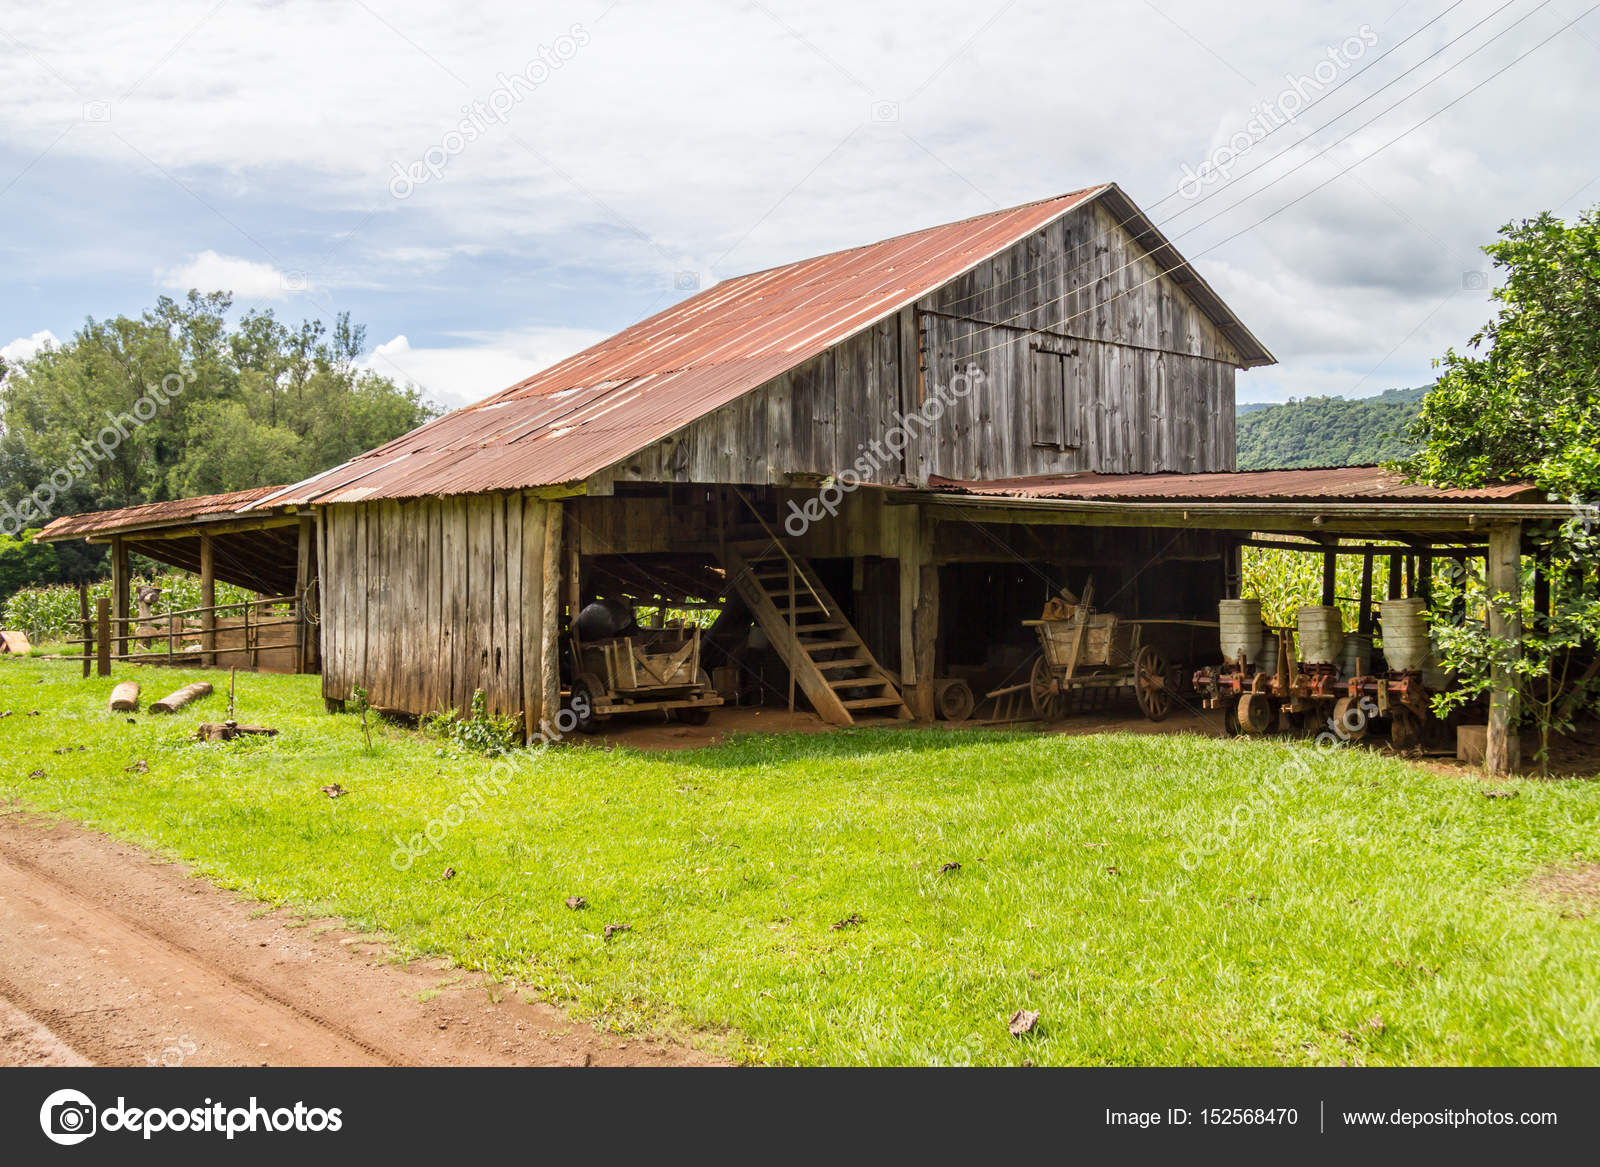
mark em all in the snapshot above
pixel 108 955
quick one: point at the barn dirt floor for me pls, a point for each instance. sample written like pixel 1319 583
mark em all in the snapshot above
pixel 1574 755
pixel 647 732
pixel 109 956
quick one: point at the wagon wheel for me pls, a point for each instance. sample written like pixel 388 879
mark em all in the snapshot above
pixel 1405 729
pixel 587 690
pixel 1230 719
pixel 696 714
pixel 1150 683
pixel 1047 700
pixel 1349 719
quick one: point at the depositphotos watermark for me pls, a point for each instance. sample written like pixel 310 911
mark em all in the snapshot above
pixel 495 108
pixel 37 505
pixel 1288 104
pixel 477 790
pixel 68 1117
pixel 870 457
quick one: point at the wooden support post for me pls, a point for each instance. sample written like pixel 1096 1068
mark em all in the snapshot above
pixel 1330 577
pixel 1364 616
pixel 919 614
pixel 1425 577
pixel 1458 589
pixel 102 637
pixel 1541 592
pixel 121 586
pixel 208 601
pixel 1411 575
pixel 1394 575
pixel 88 628
pixel 1505 626
pixel 305 582
pixel 925 636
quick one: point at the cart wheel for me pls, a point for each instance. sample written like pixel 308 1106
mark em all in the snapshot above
pixel 1256 714
pixel 696 714
pixel 586 690
pixel 1230 719
pixel 1349 719
pixel 1047 702
pixel 1150 683
pixel 1405 729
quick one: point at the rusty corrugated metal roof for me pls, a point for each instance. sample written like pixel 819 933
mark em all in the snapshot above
pixel 620 396
pixel 148 514
pixel 1334 484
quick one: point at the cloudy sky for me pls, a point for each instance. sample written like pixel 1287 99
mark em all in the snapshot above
pixel 490 187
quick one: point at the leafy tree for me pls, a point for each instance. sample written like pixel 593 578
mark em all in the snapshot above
pixel 1524 404
pixel 182 401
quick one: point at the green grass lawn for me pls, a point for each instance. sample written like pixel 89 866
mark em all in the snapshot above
pixel 1158 899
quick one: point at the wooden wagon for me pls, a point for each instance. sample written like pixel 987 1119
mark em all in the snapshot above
pixel 1083 655
pixel 1096 652
pixel 649 669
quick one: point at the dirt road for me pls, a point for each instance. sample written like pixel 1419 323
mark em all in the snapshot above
pixel 110 957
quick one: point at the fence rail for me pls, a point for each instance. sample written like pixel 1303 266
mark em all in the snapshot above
pixel 199 636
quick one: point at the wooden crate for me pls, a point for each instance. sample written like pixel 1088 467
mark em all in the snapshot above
pixel 1106 641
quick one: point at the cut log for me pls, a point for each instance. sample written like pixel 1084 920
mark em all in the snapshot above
pixel 16 642
pixel 226 731
pixel 175 701
pixel 125 697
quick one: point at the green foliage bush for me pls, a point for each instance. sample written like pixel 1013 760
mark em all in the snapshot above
pixel 24 563
pixel 479 733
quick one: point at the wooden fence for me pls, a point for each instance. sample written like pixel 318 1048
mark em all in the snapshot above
pixel 269 634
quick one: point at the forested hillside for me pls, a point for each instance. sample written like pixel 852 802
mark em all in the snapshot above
pixel 1327 431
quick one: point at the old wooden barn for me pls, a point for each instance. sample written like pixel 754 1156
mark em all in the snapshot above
pixel 873 466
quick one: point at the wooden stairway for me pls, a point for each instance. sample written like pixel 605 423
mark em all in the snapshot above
pixel 819 646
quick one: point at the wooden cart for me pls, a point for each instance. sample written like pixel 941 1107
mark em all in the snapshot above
pixel 653 668
pixel 1096 651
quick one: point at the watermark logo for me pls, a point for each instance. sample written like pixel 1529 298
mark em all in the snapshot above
pixel 1350 725
pixel 68 1117
pixel 1298 93
pixel 1585 515
pixel 871 456
pixel 477 116
pixel 1474 281
pixel 37 505
pixel 477 791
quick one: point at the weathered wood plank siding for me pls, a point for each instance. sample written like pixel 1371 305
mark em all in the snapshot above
pixel 427 600
pixel 1142 380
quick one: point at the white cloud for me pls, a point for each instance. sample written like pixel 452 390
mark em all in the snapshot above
pixel 245 278
pixel 746 135
pixel 459 375
pixel 25 347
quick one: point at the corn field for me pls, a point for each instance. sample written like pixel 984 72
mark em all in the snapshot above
pixel 51 613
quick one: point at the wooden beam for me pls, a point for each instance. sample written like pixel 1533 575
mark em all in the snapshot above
pixel 121 587
pixel 1364 614
pixel 189 530
pixel 1394 575
pixel 102 637
pixel 1505 626
pixel 304 585
pixel 1330 577
pixel 88 629
pixel 924 636
pixel 208 600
